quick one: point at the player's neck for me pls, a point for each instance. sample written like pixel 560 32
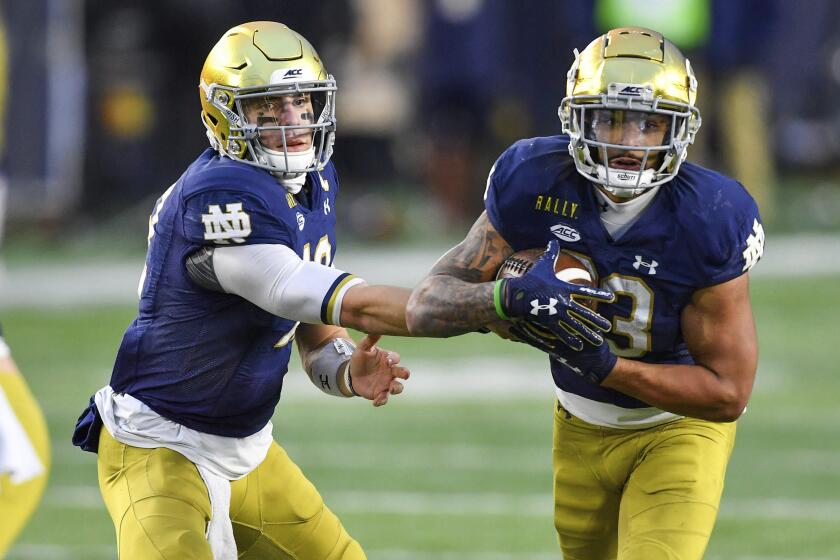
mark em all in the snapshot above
pixel 303 196
pixel 619 214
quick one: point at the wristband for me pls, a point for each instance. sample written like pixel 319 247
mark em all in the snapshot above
pixel 497 299
pixel 326 364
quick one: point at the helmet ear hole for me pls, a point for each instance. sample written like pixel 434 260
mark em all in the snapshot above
pixel 212 119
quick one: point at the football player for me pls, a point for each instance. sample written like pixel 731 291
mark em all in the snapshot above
pixel 239 265
pixel 24 450
pixel 644 425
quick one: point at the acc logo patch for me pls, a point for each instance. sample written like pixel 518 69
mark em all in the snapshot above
pixel 633 90
pixel 300 220
pixel 233 224
pixel 285 74
pixel 566 233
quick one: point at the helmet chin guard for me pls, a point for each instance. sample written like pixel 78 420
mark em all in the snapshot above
pixel 622 183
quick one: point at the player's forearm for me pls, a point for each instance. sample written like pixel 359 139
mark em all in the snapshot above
pixel 689 390
pixel 375 309
pixel 446 306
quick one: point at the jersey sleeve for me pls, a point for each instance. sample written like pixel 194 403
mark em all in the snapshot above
pixel 739 244
pixel 232 217
pixel 497 194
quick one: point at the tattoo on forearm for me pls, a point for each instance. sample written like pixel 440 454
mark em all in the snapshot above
pixel 477 257
pixel 448 301
pixel 451 306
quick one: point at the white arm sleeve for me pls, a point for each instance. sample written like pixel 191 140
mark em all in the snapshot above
pixel 274 278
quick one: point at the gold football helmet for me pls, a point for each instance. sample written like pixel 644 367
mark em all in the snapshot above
pixel 629 110
pixel 267 65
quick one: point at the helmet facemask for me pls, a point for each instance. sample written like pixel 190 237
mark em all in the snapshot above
pixel 634 75
pixel 593 146
pixel 287 129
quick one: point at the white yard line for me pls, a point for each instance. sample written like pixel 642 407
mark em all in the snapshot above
pixel 489 504
pixel 97 282
pixel 24 551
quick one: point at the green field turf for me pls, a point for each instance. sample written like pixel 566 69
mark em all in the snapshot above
pixel 469 478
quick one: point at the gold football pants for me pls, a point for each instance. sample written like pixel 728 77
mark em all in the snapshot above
pixel 160 508
pixel 649 494
pixel 18 501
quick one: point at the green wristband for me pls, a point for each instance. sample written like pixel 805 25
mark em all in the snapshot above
pixel 497 300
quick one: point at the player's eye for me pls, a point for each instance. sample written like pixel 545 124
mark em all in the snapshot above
pixel 653 125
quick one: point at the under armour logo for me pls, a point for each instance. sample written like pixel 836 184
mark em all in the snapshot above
pixel 326 206
pixel 551 307
pixel 755 246
pixel 651 266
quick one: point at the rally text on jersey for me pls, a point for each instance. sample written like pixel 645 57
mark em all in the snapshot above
pixel 558 206
pixel 231 225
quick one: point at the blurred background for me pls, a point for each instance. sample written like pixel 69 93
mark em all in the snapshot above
pixel 101 115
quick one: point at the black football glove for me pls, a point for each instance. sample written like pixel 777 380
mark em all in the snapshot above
pixel 539 297
pixel 592 362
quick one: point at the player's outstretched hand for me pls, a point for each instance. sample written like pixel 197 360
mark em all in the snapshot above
pixel 539 297
pixel 592 362
pixel 375 372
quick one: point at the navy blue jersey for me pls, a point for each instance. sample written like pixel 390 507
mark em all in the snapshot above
pixel 211 361
pixel 701 229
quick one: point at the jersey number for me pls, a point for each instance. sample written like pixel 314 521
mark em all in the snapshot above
pixel 636 327
pixel 323 255
pixel 323 251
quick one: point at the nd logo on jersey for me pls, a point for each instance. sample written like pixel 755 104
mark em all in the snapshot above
pixel 231 225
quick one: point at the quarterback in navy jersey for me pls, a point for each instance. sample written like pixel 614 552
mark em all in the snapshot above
pixel 239 267
pixel 645 417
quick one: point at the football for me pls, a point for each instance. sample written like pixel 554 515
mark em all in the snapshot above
pixel 567 268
